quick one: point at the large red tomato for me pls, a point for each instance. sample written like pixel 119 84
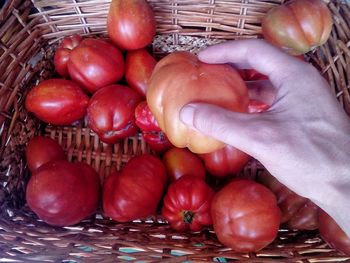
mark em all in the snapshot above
pixel 245 216
pixel 332 233
pixel 95 63
pixel 135 192
pixel 57 101
pixel 139 66
pixel 298 26
pixel 62 53
pixel 157 141
pixel 131 24
pixel 225 161
pixel 180 161
pixel 111 113
pixel 41 150
pixel 63 193
pixel 187 204
pixel 180 78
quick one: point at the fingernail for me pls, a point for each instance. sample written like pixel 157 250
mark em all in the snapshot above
pixel 187 113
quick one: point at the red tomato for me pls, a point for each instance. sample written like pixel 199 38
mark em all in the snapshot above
pixel 63 53
pixel 157 141
pixel 131 24
pixel 111 113
pixel 139 66
pixel 251 74
pixel 41 150
pixel 57 101
pixel 136 192
pixel 256 106
pixel 226 161
pixel 245 216
pixel 63 193
pixel 180 161
pixel 332 233
pixel 187 204
pixel 95 63
pixel 298 26
pixel 145 119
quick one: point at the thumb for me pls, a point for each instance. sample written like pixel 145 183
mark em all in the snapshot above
pixel 247 132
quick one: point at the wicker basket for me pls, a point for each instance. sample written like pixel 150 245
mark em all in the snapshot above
pixel 29 33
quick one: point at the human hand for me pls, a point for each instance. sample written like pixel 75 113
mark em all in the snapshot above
pixel 302 139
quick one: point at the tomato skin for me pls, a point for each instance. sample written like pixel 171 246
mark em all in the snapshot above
pixel 57 101
pixel 298 26
pixel 41 150
pixel 157 141
pixel 180 162
pixel 131 24
pixel 187 204
pixel 95 63
pixel 63 52
pixel 180 78
pixel 139 66
pixel 332 233
pixel 63 193
pixel 145 119
pixel 245 215
pixel 256 106
pixel 135 192
pixel 110 113
pixel 251 75
pixel 225 161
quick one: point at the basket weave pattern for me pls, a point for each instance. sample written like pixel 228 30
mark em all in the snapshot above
pixel 29 34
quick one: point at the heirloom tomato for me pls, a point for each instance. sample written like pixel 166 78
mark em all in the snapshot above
pixel 62 53
pixel 95 63
pixel 180 78
pixel 131 23
pixel 63 193
pixel 41 150
pixel 332 233
pixel 111 113
pixel 135 192
pixel 298 26
pixel 57 101
pixel 187 204
pixel 245 215
pixel 139 66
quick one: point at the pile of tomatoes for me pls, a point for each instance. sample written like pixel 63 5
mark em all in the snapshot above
pixel 120 89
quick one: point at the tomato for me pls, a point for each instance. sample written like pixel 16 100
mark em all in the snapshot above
pixel 145 119
pixel 332 233
pixel 245 215
pixel 298 26
pixel 225 161
pixel 187 204
pixel 63 193
pixel 256 106
pixel 139 66
pixel 180 78
pixel 41 150
pixel 95 63
pixel 63 52
pixel 251 75
pixel 136 192
pixel 157 141
pixel 131 24
pixel 180 161
pixel 57 101
pixel 110 113
pixel 297 212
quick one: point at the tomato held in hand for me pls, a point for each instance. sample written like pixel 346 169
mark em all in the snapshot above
pixel 251 75
pixel 332 233
pixel 139 66
pixel 180 78
pixel 136 192
pixel 131 24
pixel 95 63
pixel 298 26
pixel 41 150
pixel 187 204
pixel 256 106
pixel 245 216
pixel 111 113
pixel 62 53
pixel 63 193
pixel 57 101
pixel 180 161
pixel 225 161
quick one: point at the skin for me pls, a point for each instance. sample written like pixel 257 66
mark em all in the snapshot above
pixel 302 139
